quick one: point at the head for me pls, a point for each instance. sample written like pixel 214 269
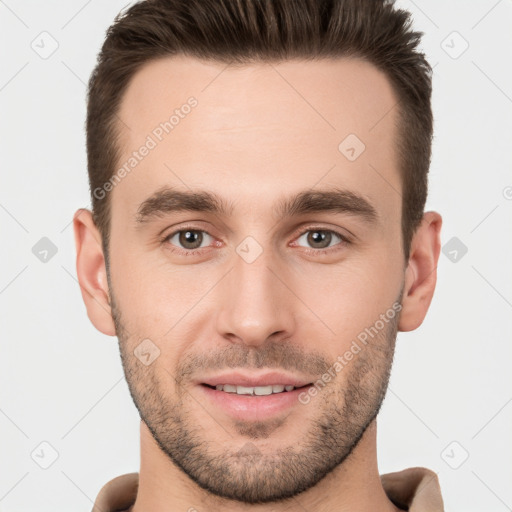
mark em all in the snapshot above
pixel 289 144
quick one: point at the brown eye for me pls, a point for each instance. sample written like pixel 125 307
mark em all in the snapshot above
pixel 188 239
pixel 320 238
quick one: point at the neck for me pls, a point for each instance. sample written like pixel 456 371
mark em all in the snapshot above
pixel 353 485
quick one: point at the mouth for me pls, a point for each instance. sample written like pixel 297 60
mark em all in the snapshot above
pixel 253 403
pixel 271 389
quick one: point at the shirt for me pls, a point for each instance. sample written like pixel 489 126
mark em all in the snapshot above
pixel 413 489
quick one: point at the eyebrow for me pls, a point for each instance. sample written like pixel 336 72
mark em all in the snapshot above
pixel 168 200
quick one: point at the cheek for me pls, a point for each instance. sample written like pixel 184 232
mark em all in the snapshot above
pixel 348 299
pixel 166 303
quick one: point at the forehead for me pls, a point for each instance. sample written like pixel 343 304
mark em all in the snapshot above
pixel 259 129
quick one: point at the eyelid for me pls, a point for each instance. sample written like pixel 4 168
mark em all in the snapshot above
pixel 186 252
pixel 342 233
pixel 345 240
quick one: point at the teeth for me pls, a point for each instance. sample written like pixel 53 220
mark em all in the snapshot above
pixel 263 390
pixel 256 390
pixel 242 390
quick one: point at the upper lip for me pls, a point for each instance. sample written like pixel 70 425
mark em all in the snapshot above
pixel 247 380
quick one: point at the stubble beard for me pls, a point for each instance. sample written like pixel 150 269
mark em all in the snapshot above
pixel 344 410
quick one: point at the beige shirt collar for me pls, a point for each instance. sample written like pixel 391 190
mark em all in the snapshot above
pixel 413 489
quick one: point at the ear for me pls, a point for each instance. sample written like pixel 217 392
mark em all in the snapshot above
pixel 91 272
pixel 421 272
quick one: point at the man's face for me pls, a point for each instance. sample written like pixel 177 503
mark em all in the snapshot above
pixel 257 288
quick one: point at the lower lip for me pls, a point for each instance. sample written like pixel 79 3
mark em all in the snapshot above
pixel 253 408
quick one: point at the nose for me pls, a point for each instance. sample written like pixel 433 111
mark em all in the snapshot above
pixel 255 302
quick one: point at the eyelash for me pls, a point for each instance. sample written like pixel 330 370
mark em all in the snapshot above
pixel 192 252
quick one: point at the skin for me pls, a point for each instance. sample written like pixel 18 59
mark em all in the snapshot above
pixel 258 133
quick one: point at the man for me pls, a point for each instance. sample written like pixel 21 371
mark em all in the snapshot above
pixel 258 172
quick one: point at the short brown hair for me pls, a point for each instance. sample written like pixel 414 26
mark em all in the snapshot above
pixel 245 31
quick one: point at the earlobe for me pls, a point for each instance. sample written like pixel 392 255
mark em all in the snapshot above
pixel 421 272
pixel 91 272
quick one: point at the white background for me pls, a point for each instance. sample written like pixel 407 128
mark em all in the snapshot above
pixel 62 381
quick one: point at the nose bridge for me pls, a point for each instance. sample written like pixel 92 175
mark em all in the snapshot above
pixel 255 303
